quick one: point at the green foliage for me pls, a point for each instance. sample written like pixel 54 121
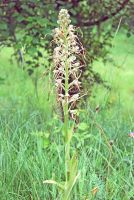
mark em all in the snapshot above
pixel 31 149
pixel 27 26
pixel 24 161
pixel 25 122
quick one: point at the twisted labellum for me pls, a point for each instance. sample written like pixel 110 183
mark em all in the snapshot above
pixel 68 64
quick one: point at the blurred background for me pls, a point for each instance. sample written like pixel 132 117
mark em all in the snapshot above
pixel 105 28
pixel 29 116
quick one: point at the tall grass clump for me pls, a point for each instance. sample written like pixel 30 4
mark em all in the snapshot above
pixel 67 72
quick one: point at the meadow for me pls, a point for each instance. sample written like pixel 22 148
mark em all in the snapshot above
pixel 31 147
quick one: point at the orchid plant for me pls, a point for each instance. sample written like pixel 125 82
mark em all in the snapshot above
pixel 68 68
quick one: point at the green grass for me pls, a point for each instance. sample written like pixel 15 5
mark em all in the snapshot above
pixel 119 73
pixel 31 147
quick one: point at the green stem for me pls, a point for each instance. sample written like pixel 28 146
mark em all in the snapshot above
pixel 66 121
pixel 66 111
pixel 66 118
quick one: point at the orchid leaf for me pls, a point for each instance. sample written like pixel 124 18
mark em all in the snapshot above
pixel 54 183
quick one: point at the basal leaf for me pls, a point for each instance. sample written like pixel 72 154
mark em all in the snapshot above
pixel 54 183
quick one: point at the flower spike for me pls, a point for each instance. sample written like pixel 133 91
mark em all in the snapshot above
pixel 68 63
